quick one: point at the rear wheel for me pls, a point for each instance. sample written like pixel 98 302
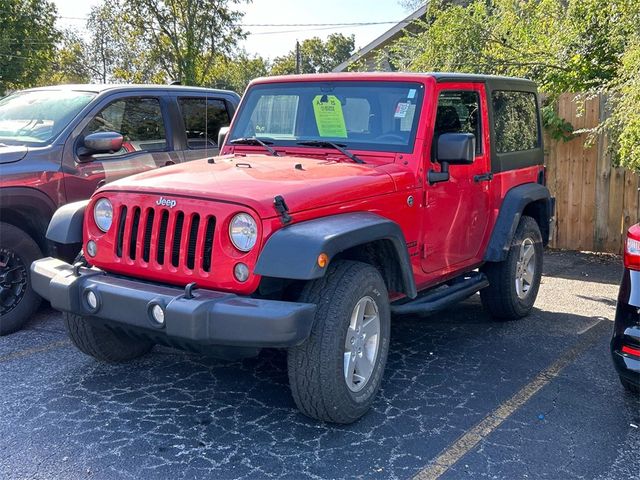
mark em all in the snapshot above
pixel 336 373
pixel 514 282
pixel 101 343
pixel 18 301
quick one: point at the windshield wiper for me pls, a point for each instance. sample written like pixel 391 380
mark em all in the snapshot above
pixel 337 146
pixel 255 141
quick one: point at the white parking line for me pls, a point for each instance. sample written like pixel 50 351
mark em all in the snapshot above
pixel 472 437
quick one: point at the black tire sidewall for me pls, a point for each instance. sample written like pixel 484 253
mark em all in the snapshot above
pixel 14 239
pixel 332 347
pixel 528 228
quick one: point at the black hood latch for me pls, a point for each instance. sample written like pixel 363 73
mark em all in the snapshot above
pixel 281 207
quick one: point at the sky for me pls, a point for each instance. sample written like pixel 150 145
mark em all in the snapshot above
pixel 269 42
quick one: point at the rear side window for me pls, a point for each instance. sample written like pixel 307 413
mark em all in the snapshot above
pixel 203 118
pixel 515 116
pixel 138 120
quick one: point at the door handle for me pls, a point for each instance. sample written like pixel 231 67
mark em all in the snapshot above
pixel 485 177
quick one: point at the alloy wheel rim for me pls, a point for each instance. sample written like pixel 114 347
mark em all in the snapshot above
pixel 13 280
pixel 361 344
pixel 525 268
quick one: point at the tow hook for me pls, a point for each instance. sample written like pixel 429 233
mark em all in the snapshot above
pixel 188 290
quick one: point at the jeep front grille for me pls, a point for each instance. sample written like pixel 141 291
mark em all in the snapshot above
pixel 165 236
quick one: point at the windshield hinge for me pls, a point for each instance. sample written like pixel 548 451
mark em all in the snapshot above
pixel 281 207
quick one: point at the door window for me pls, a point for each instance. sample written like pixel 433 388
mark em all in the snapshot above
pixel 203 118
pixel 138 120
pixel 459 112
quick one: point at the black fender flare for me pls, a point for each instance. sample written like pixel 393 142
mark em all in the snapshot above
pixel 513 204
pixel 66 224
pixel 28 209
pixel 292 252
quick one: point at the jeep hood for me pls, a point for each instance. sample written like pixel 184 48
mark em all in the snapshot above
pixel 10 154
pixel 254 181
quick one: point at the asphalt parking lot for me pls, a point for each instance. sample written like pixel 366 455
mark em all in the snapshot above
pixel 463 397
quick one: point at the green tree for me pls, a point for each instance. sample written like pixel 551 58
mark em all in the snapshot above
pixel 317 56
pixel 69 63
pixel 27 41
pixel 624 122
pixel 564 45
pixel 185 36
pixel 236 72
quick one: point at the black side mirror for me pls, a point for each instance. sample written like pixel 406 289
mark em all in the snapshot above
pixel 100 142
pixel 222 135
pixel 452 149
pixel 456 148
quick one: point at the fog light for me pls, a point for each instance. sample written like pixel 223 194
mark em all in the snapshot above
pixel 92 248
pixel 241 272
pixel 157 314
pixel 92 299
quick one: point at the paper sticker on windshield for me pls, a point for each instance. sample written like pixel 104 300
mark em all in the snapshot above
pixel 412 93
pixel 329 118
pixel 401 110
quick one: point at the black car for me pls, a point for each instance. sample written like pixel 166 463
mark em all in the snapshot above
pixel 625 344
pixel 58 144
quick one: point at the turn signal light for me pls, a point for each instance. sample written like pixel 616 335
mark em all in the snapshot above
pixel 632 248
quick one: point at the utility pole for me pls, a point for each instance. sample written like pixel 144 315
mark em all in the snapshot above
pixel 298 59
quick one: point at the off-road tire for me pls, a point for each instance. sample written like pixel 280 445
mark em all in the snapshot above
pixel 17 242
pixel 500 298
pixel 316 367
pixel 101 343
pixel 630 387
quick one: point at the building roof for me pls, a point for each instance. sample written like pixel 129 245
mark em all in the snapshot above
pixel 390 34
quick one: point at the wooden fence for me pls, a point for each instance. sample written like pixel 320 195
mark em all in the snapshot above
pixel 595 202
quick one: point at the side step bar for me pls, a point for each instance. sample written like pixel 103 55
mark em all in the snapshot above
pixel 442 297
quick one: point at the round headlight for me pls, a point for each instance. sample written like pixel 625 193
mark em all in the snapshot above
pixel 243 232
pixel 103 214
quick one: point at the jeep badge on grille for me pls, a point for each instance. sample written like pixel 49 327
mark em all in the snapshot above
pixel 165 202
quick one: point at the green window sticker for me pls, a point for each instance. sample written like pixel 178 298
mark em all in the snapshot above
pixel 329 118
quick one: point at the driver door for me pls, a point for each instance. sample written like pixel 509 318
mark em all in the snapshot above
pixel 141 120
pixel 457 210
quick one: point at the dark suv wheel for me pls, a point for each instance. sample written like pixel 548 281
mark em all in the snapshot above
pixel 18 301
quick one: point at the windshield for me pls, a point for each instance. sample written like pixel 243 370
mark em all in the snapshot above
pixel 375 116
pixel 37 117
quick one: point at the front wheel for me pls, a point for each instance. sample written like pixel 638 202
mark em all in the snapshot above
pixel 18 301
pixel 102 343
pixel 336 373
pixel 514 282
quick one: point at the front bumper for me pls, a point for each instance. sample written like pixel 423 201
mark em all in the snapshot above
pixel 626 330
pixel 209 318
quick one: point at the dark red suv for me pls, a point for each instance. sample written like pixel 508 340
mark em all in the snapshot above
pixel 58 144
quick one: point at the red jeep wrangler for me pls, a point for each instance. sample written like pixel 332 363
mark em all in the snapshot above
pixel 338 200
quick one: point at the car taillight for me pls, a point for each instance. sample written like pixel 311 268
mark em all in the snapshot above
pixel 632 248
pixel 631 350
